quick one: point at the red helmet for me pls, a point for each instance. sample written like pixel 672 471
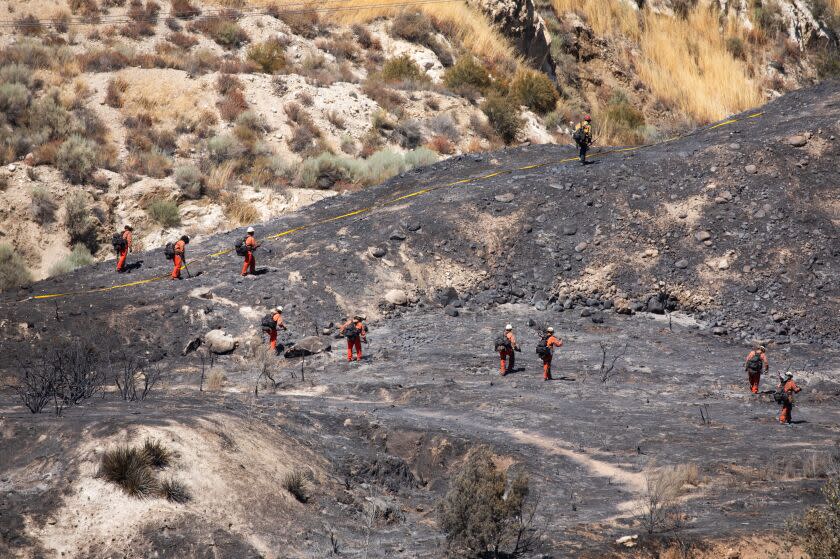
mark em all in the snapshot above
pixel 587 118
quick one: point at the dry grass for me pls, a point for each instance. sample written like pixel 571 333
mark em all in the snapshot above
pixel 684 62
pixel 221 177
pixel 165 94
pixel 214 381
pixel 240 212
pixel 471 28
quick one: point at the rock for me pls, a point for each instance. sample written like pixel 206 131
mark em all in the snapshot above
pixel 397 236
pixel 447 295
pixel 377 252
pixel 309 345
pixel 541 305
pixel 751 169
pixel 597 317
pixel 585 313
pixel 504 198
pixel 520 21
pixel 451 311
pixel 412 225
pixel 650 253
pixel 569 230
pixel 29 159
pixel 11 168
pixel 703 236
pixel 220 343
pixel 656 305
pixel 719 331
pixel 732 554
pixel 627 541
pixel 396 297
pixel 797 141
pixel 752 288
pixel 580 247
pixel 682 264
pixel 191 346
pixel 201 293
pixel 723 264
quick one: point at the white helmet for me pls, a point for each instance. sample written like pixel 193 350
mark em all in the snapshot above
pixel 788 375
pixel 249 230
pixel 508 327
pixel 550 330
pixel 128 226
pixel 279 308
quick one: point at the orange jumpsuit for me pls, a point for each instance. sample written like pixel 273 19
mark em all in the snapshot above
pixel 552 342
pixel 124 252
pixel 180 246
pixel 505 353
pixel 272 333
pixel 755 376
pixel 250 264
pixel 356 341
pixel 790 389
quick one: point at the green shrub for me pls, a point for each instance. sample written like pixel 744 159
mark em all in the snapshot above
pixel 152 163
pixel 818 530
pixel 402 69
pixel 222 148
pixel 467 75
pixel 326 169
pixel 77 159
pixel 269 56
pixel 623 114
pixel 191 181
pixel 534 90
pixel 16 73
pixel 13 270
pixel 80 225
pixel 503 115
pixel 164 212
pixel 735 46
pixel 222 28
pixel 14 99
pixel 485 513
pixel 78 257
pixel 48 120
pixel 420 157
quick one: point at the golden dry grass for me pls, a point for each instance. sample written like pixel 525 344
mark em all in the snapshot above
pixel 472 29
pixel 684 62
pixel 166 94
pixel 607 17
pixel 239 211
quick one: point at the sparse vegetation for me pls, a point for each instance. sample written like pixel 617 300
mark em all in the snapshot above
pixel 77 159
pixel 114 93
pixel 325 170
pixel 303 23
pixel 269 56
pixel 408 134
pixel 164 212
pixel 184 9
pixel 503 116
pixel 239 211
pixel 296 484
pixel 467 76
pixel 486 512
pixel 818 530
pixel 43 205
pixel 128 468
pixel 13 270
pixel 534 90
pixel 156 454
pixel 175 491
pixel 402 69
pixel 191 181
pixel 659 507
pixel 222 28
pixel 78 257
pixel 80 224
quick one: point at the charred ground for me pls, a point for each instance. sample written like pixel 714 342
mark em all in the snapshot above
pixel 731 230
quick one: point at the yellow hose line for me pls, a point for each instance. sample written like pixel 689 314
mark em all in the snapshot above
pixel 387 203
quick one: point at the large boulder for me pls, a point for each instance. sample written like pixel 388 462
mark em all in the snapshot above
pixel 397 297
pixel 220 343
pixel 310 345
pixel 520 21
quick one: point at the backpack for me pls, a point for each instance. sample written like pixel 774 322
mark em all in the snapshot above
pixel 241 248
pixel 502 343
pixel 542 347
pixel 118 242
pixel 781 396
pixel 169 251
pixel 268 323
pixel 351 331
pixel 755 364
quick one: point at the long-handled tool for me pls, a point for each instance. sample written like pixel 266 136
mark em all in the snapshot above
pixel 189 275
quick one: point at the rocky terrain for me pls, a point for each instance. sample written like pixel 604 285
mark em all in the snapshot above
pixel 671 259
pixel 197 117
